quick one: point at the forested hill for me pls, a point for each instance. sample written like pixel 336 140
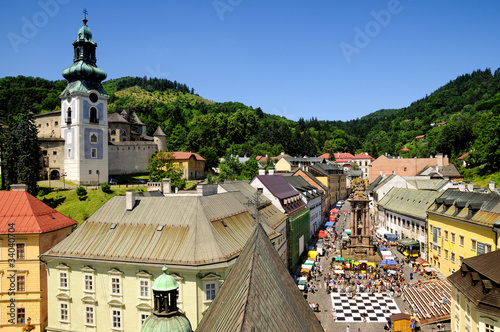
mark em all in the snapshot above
pixel 462 116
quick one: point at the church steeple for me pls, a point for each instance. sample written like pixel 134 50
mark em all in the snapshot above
pixel 84 69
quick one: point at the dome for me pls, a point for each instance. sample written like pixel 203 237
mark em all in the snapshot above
pixel 84 33
pixel 174 323
pixel 84 71
pixel 165 282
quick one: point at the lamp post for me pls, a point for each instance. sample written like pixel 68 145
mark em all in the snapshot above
pixel 64 183
pixel 97 179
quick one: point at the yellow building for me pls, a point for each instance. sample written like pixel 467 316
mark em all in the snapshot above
pixel 462 225
pixel 334 178
pixel 191 163
pixel 100 277
pixel 28 227
pixel 474 299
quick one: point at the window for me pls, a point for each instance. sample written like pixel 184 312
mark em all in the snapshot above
pixel 439 232
pixel 69 153
pixel 144 288
pixel 439 250
pixel 487 248
pixel 93 115
pixel 473 244
pixel 489 328
pixel 143 318
pixel 89 315
pixel 93 138
pixel 113 132
pixel 54 153
pixel 462 240
pixel 115 285
pixel 116 319
pixel 63 312
pixel 21 314
pixel 452 237
pixel 446 254
pixel 89 282
pixel 56 123
pixel 63 280
pixel 21 283
pixel 461 258
pixel 90 171
pixel 446 235
pixel 93 153
pixel 20 251
pixel 452 257
pixel 180 163
pixel 210 291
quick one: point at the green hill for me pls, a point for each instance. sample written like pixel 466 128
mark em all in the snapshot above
pixel 461 116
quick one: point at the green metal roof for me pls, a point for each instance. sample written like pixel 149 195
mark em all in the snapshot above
pixel 173 230
pixel 174 323
pixel 259 295
pixel 410 202
pixel 165 282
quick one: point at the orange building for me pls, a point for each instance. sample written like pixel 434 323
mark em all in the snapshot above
pixel 28 227
pixel 403 166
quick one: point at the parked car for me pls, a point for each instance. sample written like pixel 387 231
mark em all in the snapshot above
pixel 113 181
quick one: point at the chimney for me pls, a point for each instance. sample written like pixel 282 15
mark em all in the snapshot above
pixel 470 186
pixel 491 186
pixel 167 186
pixel 130 199
pixel 262 171
pixel 18 187
pixel 439 157
pixel 461 186
pixel 271 170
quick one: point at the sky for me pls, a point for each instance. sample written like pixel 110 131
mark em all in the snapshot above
pixel 329 59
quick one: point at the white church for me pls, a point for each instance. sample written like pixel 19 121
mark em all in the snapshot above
pixel 84 144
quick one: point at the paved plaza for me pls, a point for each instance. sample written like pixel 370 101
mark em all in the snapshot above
pixel 327 301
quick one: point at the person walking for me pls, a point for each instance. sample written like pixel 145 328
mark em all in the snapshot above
pixel 347 329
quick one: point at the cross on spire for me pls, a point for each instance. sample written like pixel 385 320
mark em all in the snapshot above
pixel 85 12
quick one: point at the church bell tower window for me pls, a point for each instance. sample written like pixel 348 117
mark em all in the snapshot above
pixel 93 115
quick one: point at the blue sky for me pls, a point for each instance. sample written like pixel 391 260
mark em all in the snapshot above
pixel 330 59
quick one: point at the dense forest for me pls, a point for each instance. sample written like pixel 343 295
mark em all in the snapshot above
pixel 462 116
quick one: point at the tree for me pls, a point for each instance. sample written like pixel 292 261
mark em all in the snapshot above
pixel 22 157
pixel 161 167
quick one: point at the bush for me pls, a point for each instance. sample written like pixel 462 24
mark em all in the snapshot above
pixel 106 188
pixel 81 192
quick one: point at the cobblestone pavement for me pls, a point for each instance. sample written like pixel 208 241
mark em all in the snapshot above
pixel 321 297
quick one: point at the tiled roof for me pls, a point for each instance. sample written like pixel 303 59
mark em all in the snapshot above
pixel 278 186
pixel 246 190
pixel 180 155
pixel 363 155
pixel 409 202
pixel 419 136
pixel 465 155
pixel 159 132
pixel 173 230
pixel 475 276
pixel 485 208
pixel 299 172
pixel 259 295
pixel 30 215
pixel 115 117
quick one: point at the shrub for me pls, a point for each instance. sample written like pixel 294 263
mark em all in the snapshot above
pixel 81 192
pixel 106 188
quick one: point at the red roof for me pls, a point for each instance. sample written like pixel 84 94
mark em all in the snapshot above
pixel 420 136
pixel 180 155
pixel 325 155
pixel 30 215
pixel 405 149
pixel 363 155
pixel 463 156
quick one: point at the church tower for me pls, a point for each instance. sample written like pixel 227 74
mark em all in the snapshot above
pixel 84 109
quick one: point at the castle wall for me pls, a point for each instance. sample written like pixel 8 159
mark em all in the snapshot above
pixel 130 157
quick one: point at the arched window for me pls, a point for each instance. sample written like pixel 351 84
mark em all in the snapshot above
pixel 124 133
pixel 93 115
pixel 68 115
pixel 93 138
pixel 113 132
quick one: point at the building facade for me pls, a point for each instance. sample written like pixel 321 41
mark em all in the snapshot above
pixel 462 225
pixel 28 227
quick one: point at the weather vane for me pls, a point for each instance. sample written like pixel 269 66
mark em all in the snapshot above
pixel 85 12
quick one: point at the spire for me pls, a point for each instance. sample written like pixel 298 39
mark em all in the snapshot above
pixel 84 72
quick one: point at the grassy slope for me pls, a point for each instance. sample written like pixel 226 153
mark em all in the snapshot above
pixel 167 97
pixel 67 202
